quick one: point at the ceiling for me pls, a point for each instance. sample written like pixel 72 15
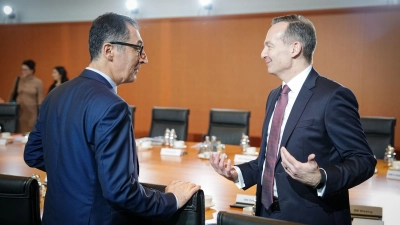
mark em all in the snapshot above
pixel 40 11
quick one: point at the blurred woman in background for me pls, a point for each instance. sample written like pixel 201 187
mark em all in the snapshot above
pixel 28 93
pixel 59 75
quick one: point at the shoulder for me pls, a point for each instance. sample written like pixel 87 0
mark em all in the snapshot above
pixel 37 81
pixel 325 85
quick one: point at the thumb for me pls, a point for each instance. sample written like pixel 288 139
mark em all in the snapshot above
pixel 311 158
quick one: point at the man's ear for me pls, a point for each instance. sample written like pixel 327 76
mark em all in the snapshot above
pixel 297 48
pixel 108 51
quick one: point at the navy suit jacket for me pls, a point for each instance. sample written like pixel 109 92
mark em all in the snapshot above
pixel 84 140
pixel 324 120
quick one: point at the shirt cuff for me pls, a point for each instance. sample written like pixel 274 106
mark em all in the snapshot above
pixel 240 183
pixel 177 204
pixel 322 185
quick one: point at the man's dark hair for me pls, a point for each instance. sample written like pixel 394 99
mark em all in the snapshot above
pixel 299 29
pixel 108 27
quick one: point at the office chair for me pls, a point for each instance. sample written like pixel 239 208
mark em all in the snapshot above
pixel 228 125
pixel 226 218
pixel 9 117
pixel 192 213
pixel 19 200
pixel 133 110
pixel 379 132
pixel 172 118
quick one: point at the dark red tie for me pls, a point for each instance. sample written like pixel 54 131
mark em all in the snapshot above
pixel 272 149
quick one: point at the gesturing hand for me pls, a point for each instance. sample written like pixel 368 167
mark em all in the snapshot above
pixel 182 190
pixel 223 168
pixel 307 173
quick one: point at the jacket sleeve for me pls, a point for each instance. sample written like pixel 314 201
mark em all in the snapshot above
pixel 117 167
pixel 33 153
pixel 344 129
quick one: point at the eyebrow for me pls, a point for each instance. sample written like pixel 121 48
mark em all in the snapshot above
pixel 268 42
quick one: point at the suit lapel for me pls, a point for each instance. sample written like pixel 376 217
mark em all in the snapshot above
pixel 298 107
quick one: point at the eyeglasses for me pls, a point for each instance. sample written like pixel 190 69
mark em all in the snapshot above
pixel 137 47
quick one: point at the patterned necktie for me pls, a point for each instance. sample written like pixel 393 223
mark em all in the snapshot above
pixel 272 149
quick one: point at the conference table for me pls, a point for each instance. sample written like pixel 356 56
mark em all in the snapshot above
pixel 159 169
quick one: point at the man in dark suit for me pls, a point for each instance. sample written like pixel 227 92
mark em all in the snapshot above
pixel 84 140
pixel 321 150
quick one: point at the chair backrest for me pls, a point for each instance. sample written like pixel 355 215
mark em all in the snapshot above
pixel 172 118
pixel 228 125
pixel 226 218
pixel 19 200
pixel 9 117
pixel 192 213
pixel 379 132
pixel 133 110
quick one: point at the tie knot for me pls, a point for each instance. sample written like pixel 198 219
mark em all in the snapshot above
pixel 285 89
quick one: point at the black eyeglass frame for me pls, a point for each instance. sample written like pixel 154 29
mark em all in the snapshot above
pixel 138 47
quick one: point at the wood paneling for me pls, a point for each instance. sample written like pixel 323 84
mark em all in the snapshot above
pixel 214 62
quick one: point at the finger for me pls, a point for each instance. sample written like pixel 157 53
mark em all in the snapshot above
pixel 222 161
pixel 213 159
pixel 311 158
pixel 194 189
pixel 290 161
pixel 312 161
pixel 283 156
pixel 287 170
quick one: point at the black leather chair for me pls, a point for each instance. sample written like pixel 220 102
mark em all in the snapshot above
pixel 379 132
pixel 9 117
pixel 133 110
pixel 192 213
pixel 228 125
pixel 226 218
pixel 19 200
pixel 172 118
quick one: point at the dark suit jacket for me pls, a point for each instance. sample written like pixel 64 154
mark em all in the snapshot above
pixel 84 140
pixel 324 120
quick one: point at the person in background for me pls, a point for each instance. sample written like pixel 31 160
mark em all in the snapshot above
pixel 28 93
pixel 59 75
pixel 84 140
pixel 313 147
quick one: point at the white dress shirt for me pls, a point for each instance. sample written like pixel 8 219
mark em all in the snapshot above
pixel 113 84
pixel 295 85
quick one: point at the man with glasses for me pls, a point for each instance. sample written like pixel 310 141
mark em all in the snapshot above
pixel 84 140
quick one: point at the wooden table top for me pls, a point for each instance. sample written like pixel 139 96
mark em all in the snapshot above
pixel 154 168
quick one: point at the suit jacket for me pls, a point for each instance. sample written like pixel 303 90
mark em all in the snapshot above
pixel 83 139
pixel 324 120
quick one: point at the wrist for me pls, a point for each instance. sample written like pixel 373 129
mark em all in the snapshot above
pixel 234 175
pixel 322 180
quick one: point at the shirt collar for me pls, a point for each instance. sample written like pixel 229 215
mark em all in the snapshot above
pixel 297 82
pixel 114 86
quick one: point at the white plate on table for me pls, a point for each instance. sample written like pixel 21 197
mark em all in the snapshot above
pixel 145 147
pixel 203 156
pixel 183 146
pixel 207 207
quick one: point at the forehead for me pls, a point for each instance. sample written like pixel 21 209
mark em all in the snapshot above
pixel 134 35
pixel 276 31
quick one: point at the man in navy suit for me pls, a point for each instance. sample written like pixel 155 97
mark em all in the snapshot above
pixel 323 149
pixel 84 140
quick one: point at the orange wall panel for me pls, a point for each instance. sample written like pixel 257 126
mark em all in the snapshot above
pixel 214 62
